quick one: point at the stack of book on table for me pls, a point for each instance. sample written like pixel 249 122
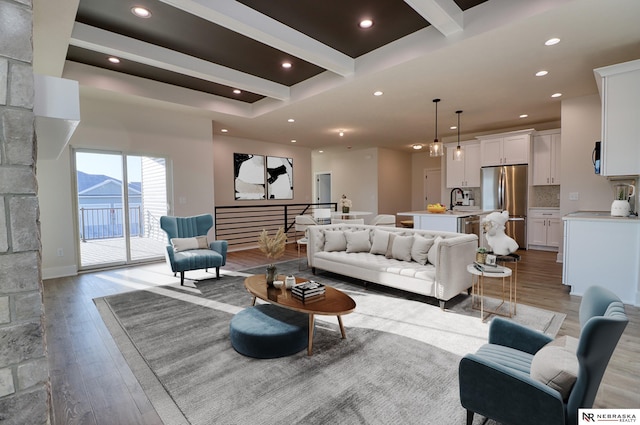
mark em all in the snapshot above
pixel 488 268
pixel 308 291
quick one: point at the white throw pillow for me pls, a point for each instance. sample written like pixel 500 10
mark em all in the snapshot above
pixel 399 247
pixel 420 249
pixel 358 241
pixel 556 365
pixel 334 240
pixel 432 255
pixel 380 242
pixel 185 244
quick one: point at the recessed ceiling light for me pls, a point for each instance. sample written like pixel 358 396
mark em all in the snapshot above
pixel 113 59
pixel 552 41
pixel 453 127
pixel 541 73
pixel 320 151
pixel 223 130
pixel 556 95
pixel 366 23
pixel 293 140
pixel 141 12
pixel 286 65
pixel 341 133
pixel 237 91
pixel 291 120
pixel 417 147
pixel 377 93
pixel 524 116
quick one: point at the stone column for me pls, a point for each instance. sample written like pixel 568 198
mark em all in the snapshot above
pixel 24 372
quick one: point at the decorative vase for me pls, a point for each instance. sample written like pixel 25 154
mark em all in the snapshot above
pixel 271 274
pixel 345 210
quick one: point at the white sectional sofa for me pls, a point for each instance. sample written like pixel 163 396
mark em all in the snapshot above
pixel 426 262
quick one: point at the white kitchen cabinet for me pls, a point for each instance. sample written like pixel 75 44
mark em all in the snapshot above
pixel 505 149
pixel 619 87
pixel 546 158
pixel 465 173
pixel 544 229
pixel 602 250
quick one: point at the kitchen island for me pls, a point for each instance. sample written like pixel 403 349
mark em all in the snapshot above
pixel 448 221
pixel 602 250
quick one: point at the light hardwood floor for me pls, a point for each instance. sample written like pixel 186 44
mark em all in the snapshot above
pixel 92 383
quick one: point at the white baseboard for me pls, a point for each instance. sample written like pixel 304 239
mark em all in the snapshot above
pixel 54 272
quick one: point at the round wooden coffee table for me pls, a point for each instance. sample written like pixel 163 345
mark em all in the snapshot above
pixel 334 303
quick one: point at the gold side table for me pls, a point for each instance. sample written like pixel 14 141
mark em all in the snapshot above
pixel 478 290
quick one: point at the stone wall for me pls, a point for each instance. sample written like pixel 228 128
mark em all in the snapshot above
pixel 24 371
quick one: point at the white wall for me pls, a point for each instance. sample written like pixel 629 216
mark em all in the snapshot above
pixel 394 181
pixel 353 173
pixel 580 130
pixel 185 139
pixel 223 149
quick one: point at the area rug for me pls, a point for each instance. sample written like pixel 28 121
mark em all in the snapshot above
pixel 398 364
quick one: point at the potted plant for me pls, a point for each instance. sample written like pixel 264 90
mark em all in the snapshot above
pixel 345 204
pixel 273 247
pixel 481 255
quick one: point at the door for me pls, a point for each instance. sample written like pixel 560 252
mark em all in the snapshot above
pixel 120 199
pixel 432 183
pixel 323 188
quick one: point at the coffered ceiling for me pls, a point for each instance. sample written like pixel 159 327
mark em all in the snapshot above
pixel 479 56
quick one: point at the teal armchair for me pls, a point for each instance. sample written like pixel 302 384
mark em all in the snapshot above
pixel 496 381
pixel 195 253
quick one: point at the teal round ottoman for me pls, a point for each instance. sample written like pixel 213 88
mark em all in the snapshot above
pixel 267 331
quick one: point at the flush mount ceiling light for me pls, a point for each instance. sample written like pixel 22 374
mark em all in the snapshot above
pixel 365 23
pixel 552 41
pixel 113 59
pixel 458 154
pixel 417 147
pixel 341 133
pixel 141 12
pixel 435 147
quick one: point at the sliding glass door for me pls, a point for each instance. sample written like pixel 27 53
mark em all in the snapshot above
pixel 120 200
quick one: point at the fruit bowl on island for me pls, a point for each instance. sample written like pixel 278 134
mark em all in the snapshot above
pixel 436 208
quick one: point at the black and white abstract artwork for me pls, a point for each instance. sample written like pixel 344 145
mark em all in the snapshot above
pixel 279 178
pixel 249 176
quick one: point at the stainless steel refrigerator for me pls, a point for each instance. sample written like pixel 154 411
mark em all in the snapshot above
pixel 505 187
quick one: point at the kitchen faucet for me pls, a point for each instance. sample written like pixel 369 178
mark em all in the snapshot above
pixel 451 196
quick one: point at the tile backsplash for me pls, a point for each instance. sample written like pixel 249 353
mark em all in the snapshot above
pixel 545 196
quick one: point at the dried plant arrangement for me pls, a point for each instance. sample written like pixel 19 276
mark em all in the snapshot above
pixel 272 246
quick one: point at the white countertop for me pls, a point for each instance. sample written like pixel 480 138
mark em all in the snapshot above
pixel 448 213
pixel 598 215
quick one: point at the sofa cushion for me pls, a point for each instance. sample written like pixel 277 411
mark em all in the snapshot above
pixel 334 240
pixel 380 242
pixel 420 249
pixel 432 256
pixel 185 244
pixel 556 365
pixel 399 247
pixel 358 241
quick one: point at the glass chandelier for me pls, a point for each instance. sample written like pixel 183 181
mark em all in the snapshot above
pixel 436 148
pixel 457 156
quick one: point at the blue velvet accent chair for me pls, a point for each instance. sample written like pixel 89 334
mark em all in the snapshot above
pixel 496 382
pixel 215 255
